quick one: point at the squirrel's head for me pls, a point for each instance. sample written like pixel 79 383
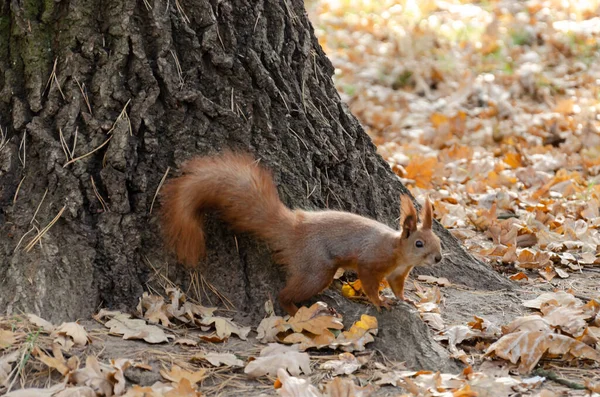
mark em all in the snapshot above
pixel 419 246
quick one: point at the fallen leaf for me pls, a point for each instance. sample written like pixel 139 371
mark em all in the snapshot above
pixel 441 281
pixel 530 346
pixel 95 375
pixel 57 362
pixel 177 374
pixel 122 324
pixel 295 387
pixel 183 389
pixel 46 326
pixel 274 357
pixel 6 361
pixel 154 309
pixel 345 387
pixel 346 364
pixel 561 297
pixel 33 392
pixel 77 391
pixel 317 319
pixel 7 338
pixel 269 327
pixel 73 330
pixel 186 342
pixel 224 327
pixel 359 334
pixel 220 359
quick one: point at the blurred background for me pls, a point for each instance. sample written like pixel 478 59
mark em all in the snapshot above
pixel 478 103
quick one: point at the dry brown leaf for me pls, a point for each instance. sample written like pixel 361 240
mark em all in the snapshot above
pixel 57 362
pixel 177 374
pixel 73 330
pixel 530 346
pixel 569 319
pixel 306 340
pixel 185 341
pixel 46 326
pixel 122 324
pixel 154 309
pixel 441 281
pixel 434 320
pixel 49 392
pixel 345 387
pixel 269 327
pixel 519 276
pixel 562 298
pixel 6 361
pixel 224 327
pixel 7 338
pixel 316 319
pixel 220 359
pixel 276 356
pixel 183 389
pixel 95 375
pixel 346 364
pixel 78 391
pixel 295 387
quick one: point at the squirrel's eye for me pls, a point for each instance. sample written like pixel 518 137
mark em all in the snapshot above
pixel 419 244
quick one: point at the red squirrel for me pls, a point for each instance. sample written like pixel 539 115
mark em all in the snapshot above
pixel 312 245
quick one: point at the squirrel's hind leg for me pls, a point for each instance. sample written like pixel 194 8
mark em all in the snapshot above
pixel 303 286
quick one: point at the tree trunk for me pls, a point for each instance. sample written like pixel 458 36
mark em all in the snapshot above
pixel 99 99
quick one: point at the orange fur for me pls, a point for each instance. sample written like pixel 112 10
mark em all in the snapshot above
pixel 311 244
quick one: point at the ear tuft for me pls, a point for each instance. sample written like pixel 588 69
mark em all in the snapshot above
pixel 408 216
pixel 427 214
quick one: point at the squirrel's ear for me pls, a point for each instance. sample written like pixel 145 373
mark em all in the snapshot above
pixel 408 216
pixel 427 214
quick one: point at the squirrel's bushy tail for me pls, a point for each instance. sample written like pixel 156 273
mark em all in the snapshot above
pixel 233 184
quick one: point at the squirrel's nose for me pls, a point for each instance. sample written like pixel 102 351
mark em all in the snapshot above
pixel 438 258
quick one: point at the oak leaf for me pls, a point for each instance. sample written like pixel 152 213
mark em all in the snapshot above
pixel 275 357
pixel 530 346
pixel 316 319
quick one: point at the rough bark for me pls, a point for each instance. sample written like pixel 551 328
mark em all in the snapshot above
pixel 143 86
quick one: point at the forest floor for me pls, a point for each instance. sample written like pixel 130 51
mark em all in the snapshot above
pixel 490 108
